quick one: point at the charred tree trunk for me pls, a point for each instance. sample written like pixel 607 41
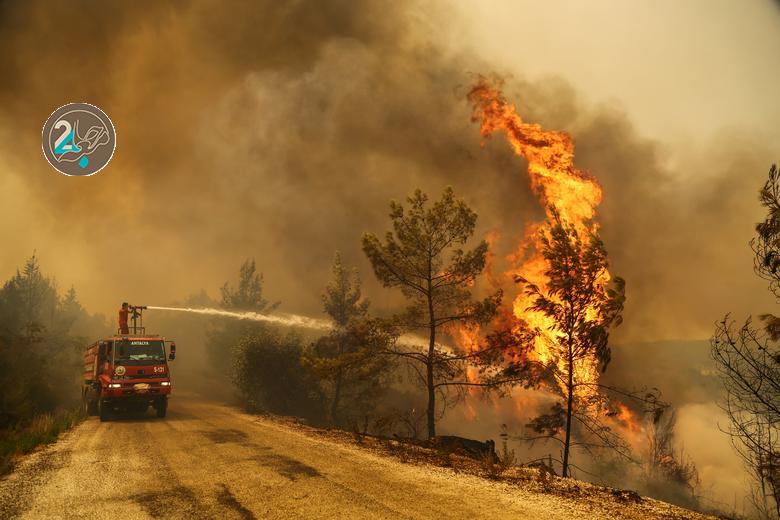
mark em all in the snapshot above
pixel 334 406
pixel 431 412
pixel 337 384
pixel 569 406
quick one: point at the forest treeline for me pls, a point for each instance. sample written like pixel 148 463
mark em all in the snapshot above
pixel 43 331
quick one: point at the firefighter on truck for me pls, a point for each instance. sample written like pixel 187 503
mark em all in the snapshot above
pixel 127 372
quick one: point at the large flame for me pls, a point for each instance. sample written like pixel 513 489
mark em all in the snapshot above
pixel 559 185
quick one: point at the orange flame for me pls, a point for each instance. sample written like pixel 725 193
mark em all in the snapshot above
pixel 575 195
pixel 626 421
pixel 559 185
pixel 467 338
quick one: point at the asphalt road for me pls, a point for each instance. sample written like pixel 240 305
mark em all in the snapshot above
pixel 211 461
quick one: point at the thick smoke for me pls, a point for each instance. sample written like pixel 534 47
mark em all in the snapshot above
pixel 285 146
pixel 280 130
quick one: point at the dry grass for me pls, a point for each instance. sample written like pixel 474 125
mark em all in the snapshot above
pixel 43 429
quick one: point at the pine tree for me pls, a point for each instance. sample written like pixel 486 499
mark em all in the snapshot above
pixel 225 334
pixel 582 308
pixel 351 358
pixel 423 257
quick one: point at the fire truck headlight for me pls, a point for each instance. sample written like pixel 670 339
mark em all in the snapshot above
pixel 115 385
pixel 166 383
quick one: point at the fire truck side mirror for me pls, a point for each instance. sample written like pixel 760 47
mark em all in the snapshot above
pixel 172 354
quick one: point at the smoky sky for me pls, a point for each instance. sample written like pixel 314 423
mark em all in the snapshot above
pixel 280 131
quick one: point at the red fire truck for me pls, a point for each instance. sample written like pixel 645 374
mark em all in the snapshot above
pixel 128 371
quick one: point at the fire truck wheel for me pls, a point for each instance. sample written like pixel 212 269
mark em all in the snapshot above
pixel 162 407
pixel 102 410
pixel 90 406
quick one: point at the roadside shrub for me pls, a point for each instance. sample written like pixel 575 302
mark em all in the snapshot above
pixel 268 371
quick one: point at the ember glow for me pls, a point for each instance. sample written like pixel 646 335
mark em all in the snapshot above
pixel 559 185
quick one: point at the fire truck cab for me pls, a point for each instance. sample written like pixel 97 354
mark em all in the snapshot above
pixel 127 372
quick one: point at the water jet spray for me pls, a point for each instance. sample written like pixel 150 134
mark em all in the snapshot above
pixel 290 320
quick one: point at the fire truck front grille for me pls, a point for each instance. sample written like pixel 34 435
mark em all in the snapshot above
pixel 133 392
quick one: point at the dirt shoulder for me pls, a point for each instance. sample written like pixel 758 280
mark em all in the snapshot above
pixel 590 498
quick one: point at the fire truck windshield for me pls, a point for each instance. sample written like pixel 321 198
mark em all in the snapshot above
pixel 139 352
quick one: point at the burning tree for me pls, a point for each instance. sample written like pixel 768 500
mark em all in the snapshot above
pixel 581 308
pixel 559 324
pixel 413 257
pixel 748 359
pixel 349 360
pixel 671 474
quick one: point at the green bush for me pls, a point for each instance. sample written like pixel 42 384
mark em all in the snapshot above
pixel 268 371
